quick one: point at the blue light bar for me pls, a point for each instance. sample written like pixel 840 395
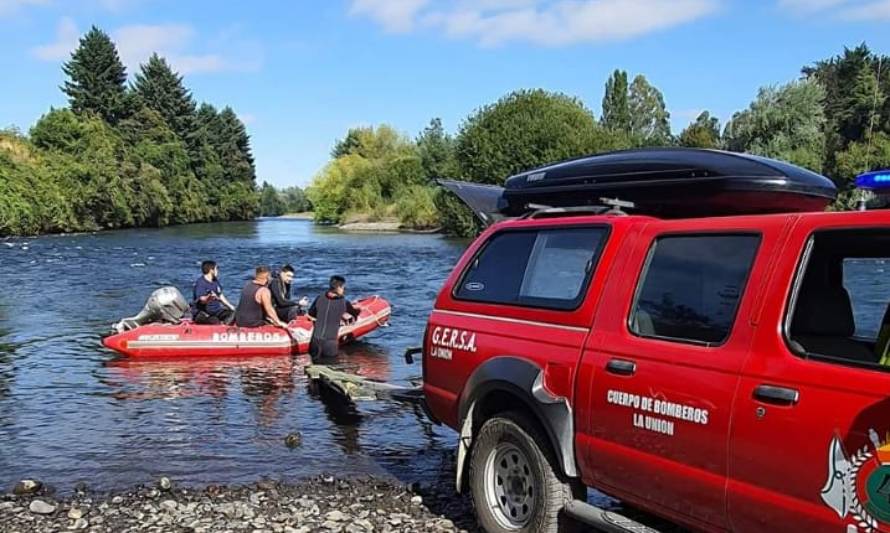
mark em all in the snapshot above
pixel 875 180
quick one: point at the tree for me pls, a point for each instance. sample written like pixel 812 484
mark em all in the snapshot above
pixel 649 119
pixel 82 156
pixel 271 204
pixel 348 144
pixel 859 157
pixel 616 108
pixel 233 148
pixel 436 148
pixel 295 200
pixel 784 123
pixel 96 78
pixel 367 181
pixel 856 84
pixel 523 130
pixel 159 88
pixel 155 153
pixel 703 132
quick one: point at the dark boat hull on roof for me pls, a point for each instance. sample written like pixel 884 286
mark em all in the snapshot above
pixel 672 182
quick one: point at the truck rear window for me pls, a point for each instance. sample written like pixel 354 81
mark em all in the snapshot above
pixel 547 268
pixel 692 286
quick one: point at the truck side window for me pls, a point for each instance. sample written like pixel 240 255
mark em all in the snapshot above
pixel 841 310
pixel 692 286
pixel 537 268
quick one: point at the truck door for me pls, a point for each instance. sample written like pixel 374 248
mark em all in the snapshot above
pixel 662 369
pixel 810 444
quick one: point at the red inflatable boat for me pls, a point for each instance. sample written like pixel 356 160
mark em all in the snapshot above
pixel 188 339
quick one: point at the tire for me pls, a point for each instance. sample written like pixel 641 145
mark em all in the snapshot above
pixel 513 484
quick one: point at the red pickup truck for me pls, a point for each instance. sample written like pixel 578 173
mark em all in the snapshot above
pixel 726 370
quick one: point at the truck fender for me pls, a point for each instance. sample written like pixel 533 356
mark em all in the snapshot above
pixel 522 379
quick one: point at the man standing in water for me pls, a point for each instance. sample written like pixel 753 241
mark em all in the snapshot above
pixel 327 310
pixel 210 304
pixel 255 306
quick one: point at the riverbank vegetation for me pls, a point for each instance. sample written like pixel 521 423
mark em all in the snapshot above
pixel 125 154
pixel 834 120
pixel 144 153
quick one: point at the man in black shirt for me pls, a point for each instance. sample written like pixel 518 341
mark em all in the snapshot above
pixel 327 311
pixel 286 308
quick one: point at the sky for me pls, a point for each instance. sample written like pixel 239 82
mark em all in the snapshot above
pixel 300 73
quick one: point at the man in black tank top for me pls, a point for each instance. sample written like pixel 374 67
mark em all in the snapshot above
pixel 327 311
pixel 255 306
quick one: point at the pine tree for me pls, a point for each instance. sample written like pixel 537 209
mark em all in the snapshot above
pixel 97 78
pixel 158 87
pixel 234 148
pixel 649 118
pixel 436 149
pixel 616 110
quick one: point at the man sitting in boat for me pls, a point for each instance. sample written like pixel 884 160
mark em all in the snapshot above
pixel 255 306
pixel 210 304
pixel 286 308
pixel 327 311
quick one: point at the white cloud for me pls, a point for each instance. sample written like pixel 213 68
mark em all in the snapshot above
pixel 394 15
pixel 8 7
pixel 175 42
pixel 878 10
pixel 247 118
pixel 67 36
pixel 543 22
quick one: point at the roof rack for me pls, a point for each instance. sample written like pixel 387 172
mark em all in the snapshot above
pixel 554 212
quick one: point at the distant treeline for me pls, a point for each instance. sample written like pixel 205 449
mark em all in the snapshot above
pixel 275 202
pixel 835 120
pixel 124 155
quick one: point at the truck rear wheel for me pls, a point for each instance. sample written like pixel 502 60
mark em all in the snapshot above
pixel 512 480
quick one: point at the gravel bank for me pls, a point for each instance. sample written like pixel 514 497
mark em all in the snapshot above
pixel 320 504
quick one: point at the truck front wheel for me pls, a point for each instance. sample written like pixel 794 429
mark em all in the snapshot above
pixel 512 481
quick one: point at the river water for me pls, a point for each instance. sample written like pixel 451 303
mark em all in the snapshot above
pixel 72 411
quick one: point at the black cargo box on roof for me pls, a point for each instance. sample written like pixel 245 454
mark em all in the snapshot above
pixel 672 182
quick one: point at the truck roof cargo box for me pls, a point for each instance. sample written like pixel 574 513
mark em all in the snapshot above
pixel 672 182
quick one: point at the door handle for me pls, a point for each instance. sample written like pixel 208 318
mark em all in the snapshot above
pixel 622 367
pixel 776 395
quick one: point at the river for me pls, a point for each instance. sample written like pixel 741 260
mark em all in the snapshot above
pixel 71 411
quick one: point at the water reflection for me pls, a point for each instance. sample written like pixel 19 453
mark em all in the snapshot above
pixel 263 380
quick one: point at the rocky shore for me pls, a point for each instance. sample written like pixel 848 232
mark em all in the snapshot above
pixel 321 504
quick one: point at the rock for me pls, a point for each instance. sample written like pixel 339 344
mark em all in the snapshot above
pixel 168 505
pixel 417 500
pixel 27 486
pixel 41 507
pixel 293 440
pixel 335 516
pixel 165 484
pixel 117 500
pixel 80 523
pixel 74 513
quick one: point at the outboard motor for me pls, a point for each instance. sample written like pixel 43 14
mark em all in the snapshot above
pixel 166 305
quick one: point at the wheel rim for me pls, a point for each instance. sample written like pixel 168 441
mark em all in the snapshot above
pixel 509 486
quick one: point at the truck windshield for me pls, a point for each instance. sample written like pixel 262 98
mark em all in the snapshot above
pixel 842 306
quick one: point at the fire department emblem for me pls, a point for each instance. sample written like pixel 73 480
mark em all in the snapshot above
pixel 858 485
